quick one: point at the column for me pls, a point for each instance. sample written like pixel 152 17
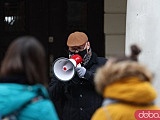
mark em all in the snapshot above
pixel 143 28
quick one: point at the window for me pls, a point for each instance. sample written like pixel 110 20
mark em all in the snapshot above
pixel 13 14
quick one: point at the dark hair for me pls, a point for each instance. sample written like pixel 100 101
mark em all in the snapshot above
pixel 135 51
pixel 25 55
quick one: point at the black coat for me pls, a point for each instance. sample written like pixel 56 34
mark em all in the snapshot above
pixel 77 99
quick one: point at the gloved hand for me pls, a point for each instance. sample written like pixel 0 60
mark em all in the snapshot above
pixel 80 71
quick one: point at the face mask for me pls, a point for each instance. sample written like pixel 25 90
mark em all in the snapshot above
pixel 82 53
pixel 86 56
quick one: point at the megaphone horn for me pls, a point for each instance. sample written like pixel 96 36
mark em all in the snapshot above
pixel 64 68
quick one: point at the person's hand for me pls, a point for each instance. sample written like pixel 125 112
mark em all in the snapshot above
pixel 80 71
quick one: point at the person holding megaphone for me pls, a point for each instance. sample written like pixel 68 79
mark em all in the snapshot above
pixel 72 87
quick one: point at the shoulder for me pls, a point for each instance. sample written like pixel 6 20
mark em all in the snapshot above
pixel 43 109
pixel 102 59
pixel 112 111
pixel 98 59
pixel 100 114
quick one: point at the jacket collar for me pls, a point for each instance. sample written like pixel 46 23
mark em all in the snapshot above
pixel 92 61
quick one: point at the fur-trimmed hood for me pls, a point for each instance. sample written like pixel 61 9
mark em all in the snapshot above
pixel 112 72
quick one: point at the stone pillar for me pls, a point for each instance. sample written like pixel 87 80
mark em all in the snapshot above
pixel 143 28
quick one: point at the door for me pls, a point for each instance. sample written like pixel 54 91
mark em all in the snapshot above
pixel 51 21
pixel 12 22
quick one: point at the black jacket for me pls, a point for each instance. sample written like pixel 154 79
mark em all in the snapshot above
pixel 77 99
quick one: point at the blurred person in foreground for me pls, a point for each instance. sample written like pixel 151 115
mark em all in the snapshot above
pixel 23 82
pixel 126 87
pixel 77 99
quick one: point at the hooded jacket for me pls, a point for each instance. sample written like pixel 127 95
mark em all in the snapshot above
pixel 126 87
pixel 13 96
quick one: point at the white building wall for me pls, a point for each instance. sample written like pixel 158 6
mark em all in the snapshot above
pixel 143 28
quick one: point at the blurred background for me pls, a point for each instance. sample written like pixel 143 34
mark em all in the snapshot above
pixel 111 25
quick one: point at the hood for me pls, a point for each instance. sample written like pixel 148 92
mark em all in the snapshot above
pixel 13 96
pixel 125 79
pixel 131 90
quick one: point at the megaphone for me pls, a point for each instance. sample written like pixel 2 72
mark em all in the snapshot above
pixel 64 68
